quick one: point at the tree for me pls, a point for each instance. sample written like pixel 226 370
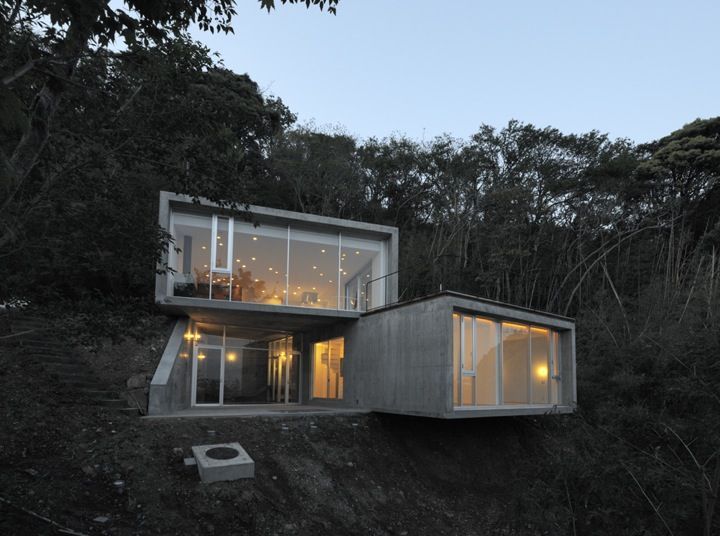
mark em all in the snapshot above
pixel 50 53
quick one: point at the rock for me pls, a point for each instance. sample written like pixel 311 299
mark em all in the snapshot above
pixel 137 381
pixel 32 472
pixel 88 470
pixel 189 462
pixel 101 519
pixel 178 454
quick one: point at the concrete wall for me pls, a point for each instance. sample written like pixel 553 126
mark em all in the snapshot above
pixel 170 387
pixel 398 360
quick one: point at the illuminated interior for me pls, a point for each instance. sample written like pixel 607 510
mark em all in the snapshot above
pixel 328 369
pixel 276 265
pixel 504 363
pixel 231 366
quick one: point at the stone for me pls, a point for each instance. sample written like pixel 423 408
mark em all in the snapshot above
pixel 190 462
pixel 101 519
pixel 225 461
pixel 137 381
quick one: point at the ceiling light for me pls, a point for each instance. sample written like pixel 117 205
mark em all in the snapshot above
pixel 201 356
pixel 314 267
pixel 314 288
pixel 252 258
pixel 220 244
pixel 257 280
pixel 322 251
pixel 357 253
pixel 322 275
pixel 219 237
pixel 254 237
pixel 232 356
pixel 331 281
pixel 243 266
pixel 203 247
pixel 205 266
pixel 270 268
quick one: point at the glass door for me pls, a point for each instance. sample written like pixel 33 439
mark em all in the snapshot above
pixel 328 377
pixel 208 372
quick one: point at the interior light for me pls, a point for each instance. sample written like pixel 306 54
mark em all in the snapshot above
pixel 314 288
pixel 270 268
pixel 243 266
pixel 219 237
pixel 322 275
pixel 263 292
pixel 298 288
pixel 294 293
pixel 201 356
pixel 322 251
pixel 254 237
pixel 357 253
pixel 542 372
pixel 257 280
pixel 197 336
pixel 237 260
pixel 203 247
pixel 368 275
pixel 188 336
pixel 330 280
pixel 232 356
pixel 314 267
pixel 205 265
pixel 252 258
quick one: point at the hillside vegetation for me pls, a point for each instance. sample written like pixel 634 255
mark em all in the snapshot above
pixel 623 237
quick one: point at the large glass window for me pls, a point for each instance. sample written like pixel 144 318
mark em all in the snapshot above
pixel 360 265
pixel 528 372
pixel 260 263
pixel 313 269
pixel 222 258
pixel 328 381
pixel 192 255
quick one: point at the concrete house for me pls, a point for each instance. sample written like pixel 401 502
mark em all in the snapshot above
pixel 296 309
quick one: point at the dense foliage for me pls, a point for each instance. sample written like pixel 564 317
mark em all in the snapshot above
pixel 623 237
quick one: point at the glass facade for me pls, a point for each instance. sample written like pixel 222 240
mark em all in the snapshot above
pixel 220 258
pixel 504 363
pixel 230 367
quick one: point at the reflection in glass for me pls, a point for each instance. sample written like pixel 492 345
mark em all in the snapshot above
pixel 209 363
pixel 222 245
pixel 540 365
pixel 192 261
pixel 486 367
pixel 360 263
pixel 516 348
pixel 313 269
pixel 259 263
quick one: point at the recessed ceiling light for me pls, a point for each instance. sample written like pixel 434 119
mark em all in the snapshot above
pixel 203 247
pixel 322 251
pixel 257 280
pixel 204 265
pixel 270 268
pixel 357 253
pixel 322 275
pixel 243 266
pixel 252 258
pixel 314 267
pixel 254 237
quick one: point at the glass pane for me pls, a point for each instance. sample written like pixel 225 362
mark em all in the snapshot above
pixel 556 381
pixel 321 359
pixel 360 263
pixel 456 358
pixel 467 328
pixel 246 371
pixel 210 334
pixel 486 349
pixel 209 362
pixel 335 367
pixel 192 261
pixel 540 344
pixel 221 244
pixel 468 391
pixel 515 363
pixel 313 269
pixel 259 263
pixel 220 288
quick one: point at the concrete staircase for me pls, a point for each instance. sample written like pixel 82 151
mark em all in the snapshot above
pixel 35 340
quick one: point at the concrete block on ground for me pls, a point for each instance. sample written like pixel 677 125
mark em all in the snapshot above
pixel 224 461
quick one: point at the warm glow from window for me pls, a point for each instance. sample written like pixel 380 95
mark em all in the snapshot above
pixel 541 372
pixel 231 356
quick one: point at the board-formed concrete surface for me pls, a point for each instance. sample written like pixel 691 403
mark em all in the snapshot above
pixel 224 461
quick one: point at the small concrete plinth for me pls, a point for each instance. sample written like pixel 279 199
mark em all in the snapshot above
pixel 226 461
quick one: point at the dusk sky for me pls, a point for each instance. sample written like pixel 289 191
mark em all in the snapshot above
pixel 637 69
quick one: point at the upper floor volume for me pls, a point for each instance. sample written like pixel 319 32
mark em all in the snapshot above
pixel 299 263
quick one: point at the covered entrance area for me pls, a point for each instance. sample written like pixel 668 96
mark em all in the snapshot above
pixel 235 366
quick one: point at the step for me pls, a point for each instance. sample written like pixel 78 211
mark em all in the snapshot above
pixel 79 383
pixel 110 402
pixel 98 393
pixel 129 411
pixel 59 359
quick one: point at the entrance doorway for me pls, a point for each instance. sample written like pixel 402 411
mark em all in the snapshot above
pixel 328 378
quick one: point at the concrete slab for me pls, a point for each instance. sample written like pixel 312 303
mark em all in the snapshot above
pixel 223 462
pixel 260 410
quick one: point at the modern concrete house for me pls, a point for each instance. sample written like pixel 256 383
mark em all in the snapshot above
pixel 296 309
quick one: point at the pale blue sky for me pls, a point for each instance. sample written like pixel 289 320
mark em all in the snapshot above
pixel 633 68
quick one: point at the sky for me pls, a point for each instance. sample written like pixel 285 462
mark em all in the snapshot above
pixel 634 69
